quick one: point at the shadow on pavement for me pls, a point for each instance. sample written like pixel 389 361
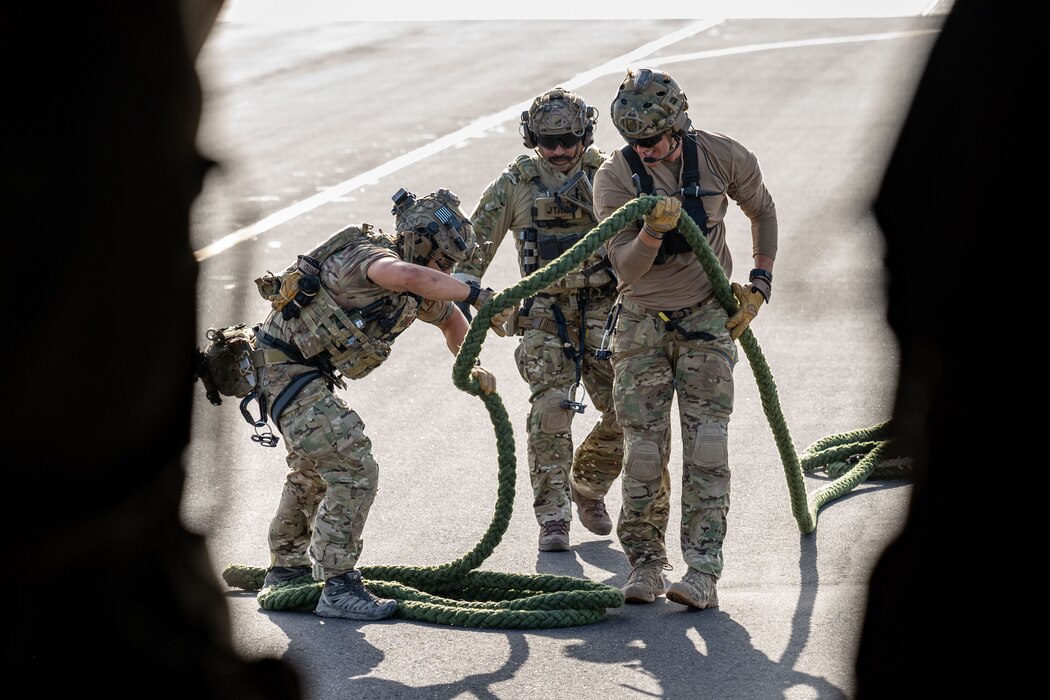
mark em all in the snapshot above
pixel 605 555
pixel 691 654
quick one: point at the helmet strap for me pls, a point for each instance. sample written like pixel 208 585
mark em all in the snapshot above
pixel 675 145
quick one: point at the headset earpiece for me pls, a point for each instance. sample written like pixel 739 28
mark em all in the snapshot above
pixel 528 138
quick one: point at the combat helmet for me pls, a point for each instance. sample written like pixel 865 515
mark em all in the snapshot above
pixel 649 103
pixel 432 224
pixel 555 112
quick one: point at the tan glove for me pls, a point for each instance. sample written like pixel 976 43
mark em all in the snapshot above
pixel 499 321
pixel 664 215
pixel 486 379
pixel 750 301
pixel 289 288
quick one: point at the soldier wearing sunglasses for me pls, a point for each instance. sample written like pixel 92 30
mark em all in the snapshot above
pixel 671 334
pixel 545 197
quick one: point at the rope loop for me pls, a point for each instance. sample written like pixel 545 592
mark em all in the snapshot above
pixel 458 594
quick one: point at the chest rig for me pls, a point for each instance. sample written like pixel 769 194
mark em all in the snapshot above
pixel 559 219
pixel 320 332
pixel 674 242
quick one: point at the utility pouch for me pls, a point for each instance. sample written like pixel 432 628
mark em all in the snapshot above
pixel 530 252
pixel 552 211
pixel 511 326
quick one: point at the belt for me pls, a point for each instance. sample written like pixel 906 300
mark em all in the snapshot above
pixel 547 325
pixel 636 308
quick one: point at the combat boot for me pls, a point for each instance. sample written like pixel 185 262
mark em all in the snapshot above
pixel 645 582
pixel 554 536
pixel 696 589
pixel 346 596
pixel 592 512
pixel 283 575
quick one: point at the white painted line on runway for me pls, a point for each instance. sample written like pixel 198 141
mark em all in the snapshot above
pixel 482 124
pixel 473 129
pixel 753 48
pixel 621 63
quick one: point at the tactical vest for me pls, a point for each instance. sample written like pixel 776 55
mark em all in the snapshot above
pixel 674 242
pixel 326 335
pixel 558 223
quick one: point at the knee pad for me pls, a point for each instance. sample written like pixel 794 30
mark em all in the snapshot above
pixel 711 446
pixel 643 462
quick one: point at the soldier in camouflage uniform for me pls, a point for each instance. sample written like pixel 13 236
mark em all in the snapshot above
pixel 546 199
pixel 672 337
pixel 336 314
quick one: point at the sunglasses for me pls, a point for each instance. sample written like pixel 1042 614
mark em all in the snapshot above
pixel 552 141
pixel 646 143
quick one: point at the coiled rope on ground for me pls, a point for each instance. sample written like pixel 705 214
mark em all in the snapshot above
pixel 457 594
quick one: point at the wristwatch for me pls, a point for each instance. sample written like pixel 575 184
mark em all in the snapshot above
pixel 763 274
pixel 762 281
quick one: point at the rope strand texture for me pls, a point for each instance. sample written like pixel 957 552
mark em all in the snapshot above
pixel 456 594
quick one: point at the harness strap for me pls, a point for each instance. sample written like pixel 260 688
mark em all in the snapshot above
pixel 273 344
pixel 645 180
pixel 289 393
pixel 670 324
pixel 568 347
pixel 665 316
pixel 264 357
pixel 548 326
pixel 674 242
pixel 278 347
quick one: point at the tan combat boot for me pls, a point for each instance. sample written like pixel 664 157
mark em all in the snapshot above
pixel 592 512
pixel 554 536
pixel 696 589
pixel 645 582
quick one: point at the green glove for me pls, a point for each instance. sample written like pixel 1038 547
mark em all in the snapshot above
pixel 750 300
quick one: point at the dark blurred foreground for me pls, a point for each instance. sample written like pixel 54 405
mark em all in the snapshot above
pixel 926 624
pixel 110 593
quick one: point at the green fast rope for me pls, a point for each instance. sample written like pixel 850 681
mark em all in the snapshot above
pixel 851 457
pixel 456 594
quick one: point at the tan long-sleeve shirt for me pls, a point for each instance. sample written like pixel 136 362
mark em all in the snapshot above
pixel 726 167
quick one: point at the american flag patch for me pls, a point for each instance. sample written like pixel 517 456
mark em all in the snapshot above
pixel 447 217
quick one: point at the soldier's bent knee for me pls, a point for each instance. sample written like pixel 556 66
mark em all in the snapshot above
pixel 711 446
pixel 643 462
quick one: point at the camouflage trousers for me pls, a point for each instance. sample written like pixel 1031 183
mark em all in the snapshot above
pixel 331 482
pixel 652 364
pixel 542 363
